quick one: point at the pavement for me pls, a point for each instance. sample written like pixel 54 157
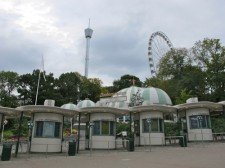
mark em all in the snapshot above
pixel 196 155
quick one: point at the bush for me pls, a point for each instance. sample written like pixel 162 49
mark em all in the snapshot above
pixel 218 124
pixel 172 128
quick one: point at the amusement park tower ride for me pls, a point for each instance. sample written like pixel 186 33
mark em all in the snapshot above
pixel 88 33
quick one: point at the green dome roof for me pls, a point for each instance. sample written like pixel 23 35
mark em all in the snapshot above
pixel 152 95
pixel 85 103
pixel 129 92
pixel 149 96
pixel 69 106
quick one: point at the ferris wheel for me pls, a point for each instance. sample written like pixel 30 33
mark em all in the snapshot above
pixel 159 45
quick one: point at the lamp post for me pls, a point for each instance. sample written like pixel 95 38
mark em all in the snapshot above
pixel 200 122
pixel 30 126
pixel 71 126
pixel 3 127
pixel 149 131
pixel 91 125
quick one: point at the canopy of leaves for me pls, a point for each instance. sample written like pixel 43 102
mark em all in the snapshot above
pixel 172 129
pixel 8 84
pixel 126 81
pixel 218 124
pixel 210 57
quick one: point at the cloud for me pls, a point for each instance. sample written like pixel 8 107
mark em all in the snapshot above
pixel 122 29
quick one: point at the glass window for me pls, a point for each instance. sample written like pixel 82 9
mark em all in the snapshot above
pixel 96 128
pixel 161 125
pixel 199 121
pixel 39 128
pixel 111 128
pixel 103 128
pixel 47 129
pixel 193 122
pixel 57 130
pixel 156 125
pixel 145 125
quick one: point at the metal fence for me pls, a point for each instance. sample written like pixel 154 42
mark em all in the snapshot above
pixel 121 145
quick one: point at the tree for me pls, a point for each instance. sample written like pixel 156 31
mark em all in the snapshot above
pixel 122 127
pixel 155 82
pixel 90 88
pixel 126 81
pixel 74 87
pixel 210 57
pixel 218 124
pixel 8 85
pixel 27 88
pixel 178 72
pixel 69 86
pixel 172 128
pixel 184 95
pixel 173 64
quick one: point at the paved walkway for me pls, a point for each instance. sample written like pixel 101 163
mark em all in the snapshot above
pixel 207 155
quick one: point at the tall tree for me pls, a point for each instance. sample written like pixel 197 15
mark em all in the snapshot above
pixel 178 72
pixel 48 89
pixel 69 86
pixel 90 88
pixel 8 85
pixel 126 81
pixel 173 64
pixel 210 56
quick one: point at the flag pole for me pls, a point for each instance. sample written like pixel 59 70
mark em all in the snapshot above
pixel 39 76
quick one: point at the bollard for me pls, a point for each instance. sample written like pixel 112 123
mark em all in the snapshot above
pixel 6 151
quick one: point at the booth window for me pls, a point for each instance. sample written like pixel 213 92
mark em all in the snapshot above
pixel 103 128
pixel 47 129
pixel 199 121
pixel 155 126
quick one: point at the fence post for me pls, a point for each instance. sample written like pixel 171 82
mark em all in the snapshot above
pixel 28 149
pixel 108 146
pixel 46 150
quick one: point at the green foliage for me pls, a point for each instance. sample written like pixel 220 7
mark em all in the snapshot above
pixel 106 89
pixel 154 82
pixel 8 135
pixel 24 127
pixel 172 128
pixel 8 84
pixel 126 81
pixel 210 57
pixel 27 88
pixel 218 124
pixel 90 88
pixel 68 85
pixel 184 95
pixel 122 127
pixel 173 64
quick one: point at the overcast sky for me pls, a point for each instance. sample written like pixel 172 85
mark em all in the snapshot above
pixel 119 45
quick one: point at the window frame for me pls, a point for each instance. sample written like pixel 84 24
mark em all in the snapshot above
pixel 41 132
pixel 110 128
pixel 205 120
pixel 159 123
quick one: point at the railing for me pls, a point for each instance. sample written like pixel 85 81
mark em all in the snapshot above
pixel 219 136
pixel 173 139
pixel 119 145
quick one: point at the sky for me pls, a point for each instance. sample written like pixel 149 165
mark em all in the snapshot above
pixel 54 29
